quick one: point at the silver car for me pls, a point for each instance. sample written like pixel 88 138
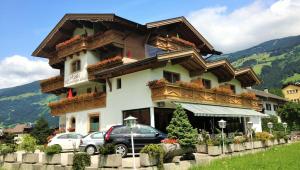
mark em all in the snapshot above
pixel 91 142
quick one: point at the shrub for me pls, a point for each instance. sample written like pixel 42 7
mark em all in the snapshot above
pixel 54 149
pixel 81 160
pixel 262 136
pixel 28 143
pixel 214 142
pixel 41 148
pixel 7 148
pixel 203 137
pixel 107 149
pixel 239 140
pixel 41 131
pixel 155 151
pixel 181 129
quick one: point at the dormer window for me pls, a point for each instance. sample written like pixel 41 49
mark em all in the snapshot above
pixel 171 76
pixel 76 66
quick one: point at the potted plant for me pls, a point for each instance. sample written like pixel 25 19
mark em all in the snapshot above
pixel 229 146
pixel 29 145
pixel 8 152
pixel 213 147
pixel 152 155
pixel 201 147
pixel 264 137
pixel 52 155
pixel 239 143
pixel 108 157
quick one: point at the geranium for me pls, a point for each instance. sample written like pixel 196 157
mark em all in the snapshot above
pixel 169 141
pixel 157 83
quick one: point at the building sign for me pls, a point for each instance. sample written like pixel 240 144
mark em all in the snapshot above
pixel 75 78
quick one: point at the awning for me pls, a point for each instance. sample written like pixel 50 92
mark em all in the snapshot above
pixel 219 111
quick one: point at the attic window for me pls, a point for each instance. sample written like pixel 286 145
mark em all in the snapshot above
pixel 171 76
pixel 76 66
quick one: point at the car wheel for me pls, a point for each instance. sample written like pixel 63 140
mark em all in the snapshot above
pixel 90 150
pixel 121 149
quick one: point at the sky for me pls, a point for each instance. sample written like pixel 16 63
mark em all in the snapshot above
pixel 229 25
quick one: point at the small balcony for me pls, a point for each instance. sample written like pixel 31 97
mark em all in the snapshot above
pixel 174 92
pixel 78 103
pixel 53 85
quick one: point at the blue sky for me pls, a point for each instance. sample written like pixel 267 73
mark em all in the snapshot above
pixel 229 25
pixel 24 23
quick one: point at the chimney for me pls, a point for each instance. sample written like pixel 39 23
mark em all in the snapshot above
pixel 266 90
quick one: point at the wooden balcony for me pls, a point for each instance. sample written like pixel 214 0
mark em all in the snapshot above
pixel 202 96
pixel 90 43
pixel 172 43
pixel 78 103
pixel 53 85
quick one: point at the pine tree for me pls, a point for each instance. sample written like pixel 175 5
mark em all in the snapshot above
pixel 41 131
pixel 181 129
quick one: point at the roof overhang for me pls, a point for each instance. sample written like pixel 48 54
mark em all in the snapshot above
pixel 222 69
pixel 247 77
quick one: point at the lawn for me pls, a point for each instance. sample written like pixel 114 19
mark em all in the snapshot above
pixel 277 158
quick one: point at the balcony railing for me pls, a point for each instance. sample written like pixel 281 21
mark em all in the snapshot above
pixel 89 43
pixel 52 84
pixel 78 103
pixel 172 43
pixel 205 96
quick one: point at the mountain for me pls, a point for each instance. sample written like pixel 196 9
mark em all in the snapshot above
pixel 276 61
pixel 25 103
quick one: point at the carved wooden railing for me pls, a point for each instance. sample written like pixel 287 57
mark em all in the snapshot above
pixel 90 43
pixel 205 96
pixel 52 84
pixel 78 103
pixel 172 43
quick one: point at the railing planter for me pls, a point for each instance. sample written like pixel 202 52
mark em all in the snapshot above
pixel 229 148
pixel 258 144
pixel 281 141
pixel 239 147
pixel 110 161
pixel 201 148
pixel 214 150
pixel 51 159
pixel 248 145
pixel 30 158
pixel 147 160
pixel 10 157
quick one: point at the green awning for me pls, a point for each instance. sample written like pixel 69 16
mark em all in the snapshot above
pixel 219 111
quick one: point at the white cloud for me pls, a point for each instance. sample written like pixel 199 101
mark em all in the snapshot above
pixel 247 26
pixel 18 70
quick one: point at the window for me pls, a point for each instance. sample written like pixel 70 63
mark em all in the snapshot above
pixel 142 115
pixel 206 83
pixel 119 83
pixel 98 135
pixel 268 106
pixel 94 123
pixel 146 130
pixel 89 90
pixel 171 77
pixel 75 66
pixel 65 136
pixel 275 107
pixel 232 87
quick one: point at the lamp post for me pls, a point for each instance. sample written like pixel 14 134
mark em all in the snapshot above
pixel 270 126
pixel 222 125
pixel 131 122
pixel 284 124
pixel 250 125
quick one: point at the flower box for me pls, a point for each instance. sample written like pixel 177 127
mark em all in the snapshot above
pixel 51 159
pixel 281 141
pixel 229 148
pixel 258 144
pixel 110 161
pixel 239 147
pixel 11 157
pixel 268 143
pixel 147 160
pixel 214 150
pixel 249 145
pixel 275 142
pixel 30 158
pixel 201 148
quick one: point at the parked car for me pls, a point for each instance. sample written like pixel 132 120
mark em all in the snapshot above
pixel 120 135
pixel 91 142
pixel 67 141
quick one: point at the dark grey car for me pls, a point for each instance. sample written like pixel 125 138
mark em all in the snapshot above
pixel 91 142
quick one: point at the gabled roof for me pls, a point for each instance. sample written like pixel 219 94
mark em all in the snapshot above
pixel 19 128
pixel 69 22
pixel 222 69
pixel 267 95
pixel 290 84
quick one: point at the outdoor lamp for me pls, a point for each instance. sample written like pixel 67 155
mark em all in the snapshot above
pixel 222 125
pixel 131 122
pixel 250 125
pixel 270 126
pixel 284 124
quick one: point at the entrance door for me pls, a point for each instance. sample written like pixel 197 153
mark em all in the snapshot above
pixel 94 123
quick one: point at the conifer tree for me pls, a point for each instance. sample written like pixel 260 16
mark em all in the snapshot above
pixel 181 129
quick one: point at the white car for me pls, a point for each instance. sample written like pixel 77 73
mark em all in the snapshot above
pixel 67 141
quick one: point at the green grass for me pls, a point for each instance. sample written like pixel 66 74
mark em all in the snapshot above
pixel 278 158
pixel 294 78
